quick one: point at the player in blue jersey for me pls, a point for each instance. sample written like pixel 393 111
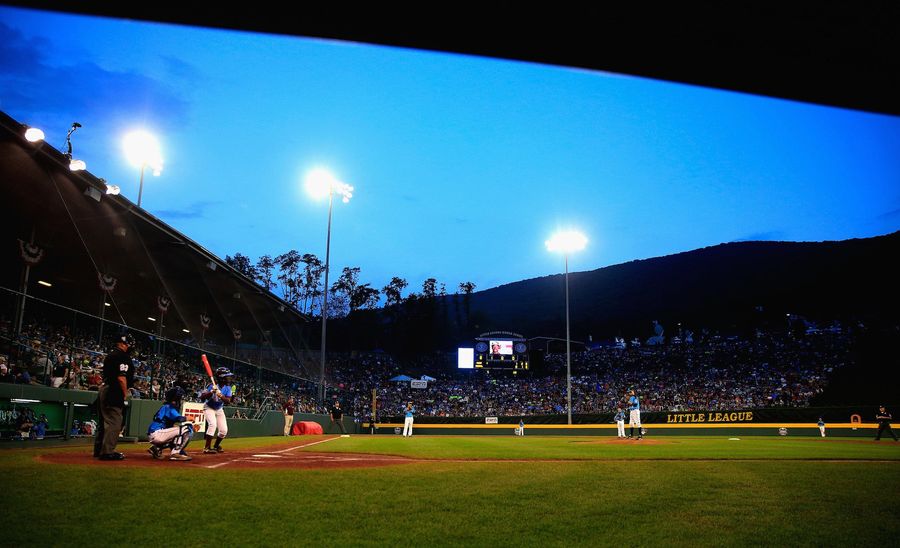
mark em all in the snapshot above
pixel 620 423
pixel 821 425
pixel 165 431
pixel 408 421
pixel 520 430
pixel 213 410
pixel 634 415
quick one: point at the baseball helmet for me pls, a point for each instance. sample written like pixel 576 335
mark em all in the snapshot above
pixel 223 372
pixel 175 394
pixel 127 338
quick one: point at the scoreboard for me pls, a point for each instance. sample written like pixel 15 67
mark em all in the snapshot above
pixel 501 353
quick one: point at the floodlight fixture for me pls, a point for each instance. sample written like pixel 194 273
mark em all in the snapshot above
pixel 34 135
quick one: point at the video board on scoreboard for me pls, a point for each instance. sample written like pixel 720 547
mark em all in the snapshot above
pixel 501 350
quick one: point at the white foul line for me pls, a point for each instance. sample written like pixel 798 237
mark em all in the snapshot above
pixel 305 445
pixel 282 451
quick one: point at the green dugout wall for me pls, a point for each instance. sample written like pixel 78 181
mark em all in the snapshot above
pixel 62 407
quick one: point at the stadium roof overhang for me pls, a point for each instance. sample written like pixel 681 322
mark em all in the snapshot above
pixel 831 53
pixel 82 231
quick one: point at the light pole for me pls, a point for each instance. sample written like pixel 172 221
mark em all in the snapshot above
pixel 319 184
pixel 566 242
pixel 142 150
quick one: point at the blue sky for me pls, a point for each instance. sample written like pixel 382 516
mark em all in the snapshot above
pixel 463 166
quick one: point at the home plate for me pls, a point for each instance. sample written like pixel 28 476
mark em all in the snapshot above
pixel 734 439
pixel 265 456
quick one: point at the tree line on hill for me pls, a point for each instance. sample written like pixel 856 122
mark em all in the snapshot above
pixel 361 316
pixel 736 287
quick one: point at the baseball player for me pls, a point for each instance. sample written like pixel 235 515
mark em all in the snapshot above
pixel 634 415
pixel 821 425
pixel 520 431
pixel 620 423
pixel 164 430
pixel 884 423
pixel 214 402
pixel 408 421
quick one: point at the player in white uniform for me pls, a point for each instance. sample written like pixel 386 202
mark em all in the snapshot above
pixel 408 421
pixel 620 423
pixel 821 425
pixel 214 412
pixel 634 415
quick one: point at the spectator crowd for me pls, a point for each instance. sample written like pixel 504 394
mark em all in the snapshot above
pixel 720 373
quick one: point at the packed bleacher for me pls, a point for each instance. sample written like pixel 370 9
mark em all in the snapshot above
pixel 719 373
pixel 46 356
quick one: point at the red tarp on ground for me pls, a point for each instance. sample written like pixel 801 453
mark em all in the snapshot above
pixel 306 427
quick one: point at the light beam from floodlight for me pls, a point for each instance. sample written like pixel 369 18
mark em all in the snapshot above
pixel 321 183
pixel 142 150
pixel 565 242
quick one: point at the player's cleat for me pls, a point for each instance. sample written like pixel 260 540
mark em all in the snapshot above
pixel 179 456
pixel 155 452
pixel 112 456
pixel 209 450
pixel 218 449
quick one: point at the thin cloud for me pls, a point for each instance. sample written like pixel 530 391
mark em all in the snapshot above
pixel 770 236
pixel 196 210
pixel 37 77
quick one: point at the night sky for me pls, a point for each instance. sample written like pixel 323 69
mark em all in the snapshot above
pixel 463 166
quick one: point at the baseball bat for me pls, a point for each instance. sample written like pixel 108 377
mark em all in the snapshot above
pixel 209 371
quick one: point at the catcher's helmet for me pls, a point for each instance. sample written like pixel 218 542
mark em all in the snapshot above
pixel 175 394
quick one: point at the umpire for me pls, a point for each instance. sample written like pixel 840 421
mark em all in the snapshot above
pixel 117 370
pixel 884 423
pixel 337 416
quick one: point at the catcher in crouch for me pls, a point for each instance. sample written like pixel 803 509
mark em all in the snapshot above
pixel 214 401
pixel 165 432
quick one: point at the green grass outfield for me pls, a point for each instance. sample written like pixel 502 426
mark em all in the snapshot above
pixel 703 491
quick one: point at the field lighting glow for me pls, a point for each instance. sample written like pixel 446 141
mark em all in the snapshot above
pixel 320 182
pixel 142 149
pixel 33 135
pixel 567 241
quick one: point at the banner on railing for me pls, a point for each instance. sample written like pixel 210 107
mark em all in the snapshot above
pixel 194 412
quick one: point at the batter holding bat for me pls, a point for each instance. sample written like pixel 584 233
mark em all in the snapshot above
pixel 214 399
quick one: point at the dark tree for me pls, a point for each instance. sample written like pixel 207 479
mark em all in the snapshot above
pixel 311 282
pixel 265 271
pixel 242 264
pixel 393 291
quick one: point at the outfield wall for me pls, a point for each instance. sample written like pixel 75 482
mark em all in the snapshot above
pixel 855 421
pixel 62 407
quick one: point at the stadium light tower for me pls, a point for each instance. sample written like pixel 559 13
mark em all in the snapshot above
pixel 321 183
pixel 142 150
pixel 566 242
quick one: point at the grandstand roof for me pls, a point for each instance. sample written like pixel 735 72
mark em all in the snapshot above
pixel 82 235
